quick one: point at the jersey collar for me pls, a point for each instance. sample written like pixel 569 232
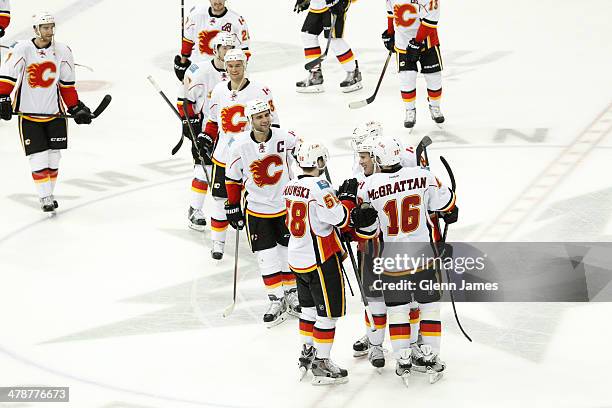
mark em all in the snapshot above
pixel 210 13
pixel 246 83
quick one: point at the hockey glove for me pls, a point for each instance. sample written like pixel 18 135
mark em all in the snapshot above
pixel 451 216
pixel 6 107
pixel 338 8
pixel 81 114
pixel 205 144
pixel 413 51
pixel 1 32
pixel 234 215
pixel 363 216
pixel 348 190
pixel 301 5
pixel 180 67
pixel 196 125
pixel 389 40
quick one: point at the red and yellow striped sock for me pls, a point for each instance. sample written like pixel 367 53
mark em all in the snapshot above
pixel 323 340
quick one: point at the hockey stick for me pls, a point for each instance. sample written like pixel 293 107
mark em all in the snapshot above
pixel 193 137
pixel 367 101
pixel 178 115
pixel 97 112
pixel 228 310
pixel 311 64
pixel 422 147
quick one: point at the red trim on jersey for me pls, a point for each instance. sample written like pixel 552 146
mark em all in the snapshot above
pixel 390 26
pixel 190 111
pixel 6 87
pixel 69 95
pixel 425 32
pixel 212 129
pixel 5 20
pixel 186 47
pixel 234 191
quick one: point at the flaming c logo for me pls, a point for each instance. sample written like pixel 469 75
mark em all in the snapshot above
pixel 261 170
pixel 41 75
pixel 232 119
pixel 405 14
pixel 204 41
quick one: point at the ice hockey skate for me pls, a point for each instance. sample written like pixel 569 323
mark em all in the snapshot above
pixel 312 84
pixel 55 204
pixel 276 313
pixel 46 204
pixel 352 82
pixel 217 250
pixel 327 372
pixel 403 366
pixel 376 356
pixel 410 119
pixel 305 360
pixel 428 362
pixel 436 115
pixel 197 221
pixel 361 347
pixel 418 364
pixel 293 304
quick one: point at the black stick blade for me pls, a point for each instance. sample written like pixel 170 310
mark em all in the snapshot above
pixel 102 106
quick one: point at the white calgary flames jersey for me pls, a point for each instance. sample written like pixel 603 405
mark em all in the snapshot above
pixel 200 80
pixel 403 199
pixel 38 76
pixel 5 13
pixel 313 210
pixel 201 27
pixel 408 15
pixel 227 111
pixel 263 168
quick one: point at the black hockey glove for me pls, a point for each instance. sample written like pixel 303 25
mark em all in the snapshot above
pixel 348 190
pixel 363 216
pixel 81 114
pixel 234 215
pixel 339 7
pixel 205 144
pixel 1 32
pixel 196 125
pixel 180 68
pixel 451 216
pixel 6 107
pixel 413 51
pixel 301 5
pixel 389 40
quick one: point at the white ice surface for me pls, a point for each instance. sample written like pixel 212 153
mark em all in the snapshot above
pixel 117 299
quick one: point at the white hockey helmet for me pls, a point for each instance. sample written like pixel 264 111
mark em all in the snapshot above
pixel 235 54
pixel 224 39
pixel 41 18
pixel 254 107
pixel 386 151
pixel 309 154
pixel 367 145
pixel 360 133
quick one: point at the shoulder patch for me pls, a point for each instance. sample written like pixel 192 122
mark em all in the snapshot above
pixel 323 184
pixel 193 67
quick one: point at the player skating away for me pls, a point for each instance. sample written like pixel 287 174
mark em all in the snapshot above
pixel 402 196
pixel 313 212
pixel 201 26
pixel 412 33
pixel 319 17
pixel 200 79
pixel 40 74
pixel 227 120
pixel 5 16
pixel 259 160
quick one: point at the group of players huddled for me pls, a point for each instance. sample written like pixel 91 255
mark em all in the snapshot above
pixel 298 226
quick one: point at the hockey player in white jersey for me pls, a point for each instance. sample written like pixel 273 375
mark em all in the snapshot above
pixel 260 161
pixel 319 20
pixel 200 79
pixel 412 33
pixel 313 212
pixel 40 75
pixel 226 121
pixel 5 16
pixel 201 26
pixel 402 197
